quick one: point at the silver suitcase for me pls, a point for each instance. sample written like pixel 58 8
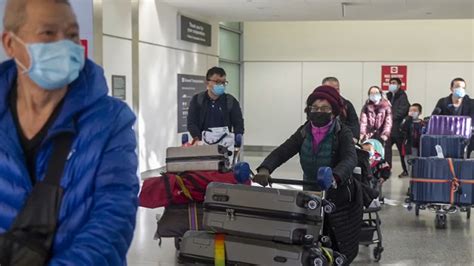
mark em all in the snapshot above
pixel 286 216
pixel 198 247
pixel 197 158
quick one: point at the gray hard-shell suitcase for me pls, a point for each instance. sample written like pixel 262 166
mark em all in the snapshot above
pixel 198 247
pixel 197 158
pixel 281 215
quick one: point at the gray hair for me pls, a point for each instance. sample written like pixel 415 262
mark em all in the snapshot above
pixel 15 13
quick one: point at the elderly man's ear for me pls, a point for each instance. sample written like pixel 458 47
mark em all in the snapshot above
pixel 7 42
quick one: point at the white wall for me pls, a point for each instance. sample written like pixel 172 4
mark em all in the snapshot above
pixel 413 40
pixel 162 57
pixel 295 56
pixel 117 43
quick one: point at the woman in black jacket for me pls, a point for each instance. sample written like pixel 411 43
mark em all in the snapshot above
pixel 325 141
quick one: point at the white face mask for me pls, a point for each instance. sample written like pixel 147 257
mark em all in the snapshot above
pixel 414 115
pixel 375 98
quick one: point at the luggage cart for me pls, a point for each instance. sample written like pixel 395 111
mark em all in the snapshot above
pixel 441 211
pixel 448 127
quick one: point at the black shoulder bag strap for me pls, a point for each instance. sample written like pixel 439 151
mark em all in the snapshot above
pixel 30 238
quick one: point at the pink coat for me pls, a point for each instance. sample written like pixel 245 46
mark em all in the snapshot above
pixel 376 120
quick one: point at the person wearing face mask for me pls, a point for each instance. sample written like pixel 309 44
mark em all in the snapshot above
pixel 214 108
pixel 376 117
pixel 457 103
pixel 67 150
pixel 323 141
pixel 349 115
pixel 400 105
pixel 411 129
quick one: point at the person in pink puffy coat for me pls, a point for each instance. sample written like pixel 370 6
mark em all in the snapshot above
pixel 376 117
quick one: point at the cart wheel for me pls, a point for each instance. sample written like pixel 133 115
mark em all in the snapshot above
pixel 417 209
pixel 177 241
pixel 378 253
pixel 468 212
pixel 409 207
pixel 440 221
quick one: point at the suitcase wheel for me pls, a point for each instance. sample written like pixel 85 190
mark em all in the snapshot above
pixel 440 221
pixel 326 241
pixel 329 207
pixel 318 262
pixel 313 204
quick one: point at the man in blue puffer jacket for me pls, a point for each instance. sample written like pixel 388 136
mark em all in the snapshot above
pixel 48 89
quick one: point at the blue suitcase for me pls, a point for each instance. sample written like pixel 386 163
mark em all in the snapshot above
pixel 430 168
pixel 425 169
pixel 465 193
pixel 453 146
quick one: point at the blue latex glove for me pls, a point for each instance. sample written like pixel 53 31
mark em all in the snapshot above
pixel 325 178
pixel 242 172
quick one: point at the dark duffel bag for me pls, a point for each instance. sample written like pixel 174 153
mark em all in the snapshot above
pixel 177 220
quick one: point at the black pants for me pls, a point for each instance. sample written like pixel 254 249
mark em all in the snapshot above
pixel 388 152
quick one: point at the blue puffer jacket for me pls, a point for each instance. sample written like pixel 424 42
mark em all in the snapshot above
pixel 98 210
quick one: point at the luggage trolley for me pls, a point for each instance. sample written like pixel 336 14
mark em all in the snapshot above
pixel 446 136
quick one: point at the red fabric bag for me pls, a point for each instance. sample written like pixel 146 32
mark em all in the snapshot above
pixel 173 189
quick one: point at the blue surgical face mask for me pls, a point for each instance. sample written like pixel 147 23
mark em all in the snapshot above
pixel 371 154
pixel 393 87
pixel 53 65
pixel 375 98
pixel 218 89
pixel 459 92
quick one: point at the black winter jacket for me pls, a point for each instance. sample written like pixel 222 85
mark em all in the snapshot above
pixel 400 107
pixel 343 226
pixel 351 121
pixel 344 154
pixel 446 107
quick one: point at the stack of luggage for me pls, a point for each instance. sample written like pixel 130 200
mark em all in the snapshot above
pixel 182 187
pixel 442 179
pixel 259 226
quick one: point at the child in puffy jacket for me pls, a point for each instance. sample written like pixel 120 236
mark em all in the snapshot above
pixel 380 168
pixel 411 130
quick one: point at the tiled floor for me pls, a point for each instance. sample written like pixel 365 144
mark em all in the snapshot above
pixel 408 240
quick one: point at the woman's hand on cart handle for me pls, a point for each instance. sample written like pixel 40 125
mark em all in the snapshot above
pixel 262 177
